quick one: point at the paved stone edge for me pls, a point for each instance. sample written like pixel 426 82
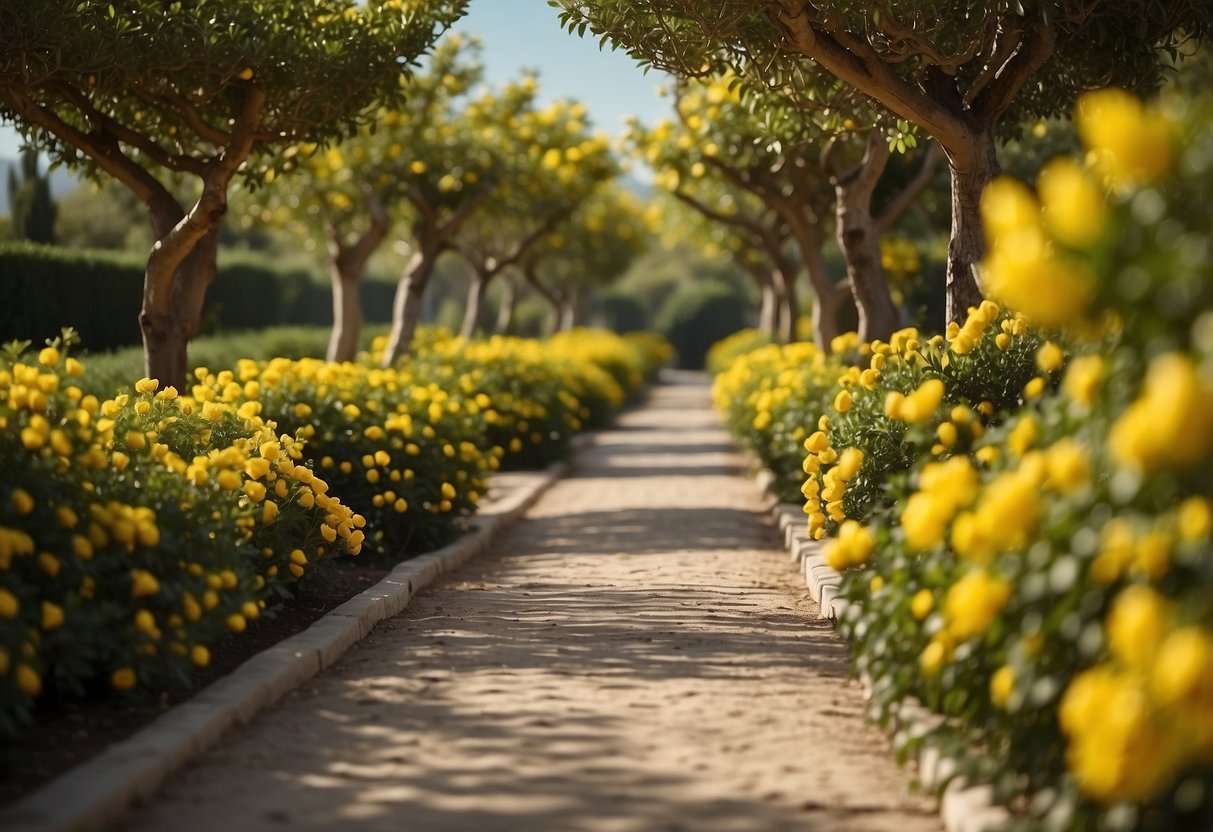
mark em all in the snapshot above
pixel 97 792
pixel 963 807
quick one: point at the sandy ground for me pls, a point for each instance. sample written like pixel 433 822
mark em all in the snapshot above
pixel 638 654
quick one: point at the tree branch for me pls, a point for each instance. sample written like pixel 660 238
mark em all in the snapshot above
pixel 142 143
pixel 1033 52
pixel 854 61
pixel 103 150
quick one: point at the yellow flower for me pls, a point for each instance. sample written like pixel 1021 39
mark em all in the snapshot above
pixel 973 602
pixel 1073 204
pixel 1131 144
pixel 52 616
pixel 1082 379
pixel 147 385
pixel 123 679
pixel 1002 685
pixel 28 680
pixel 143 583
pixel 842 402
pixel 49 357
pixel 924 520
pixel 936 653
pixel 922 603
pixel 849 463
pixel 1023 435
pixel 1183 666
pixel 1194 518
pixel 1008 207
pixel 200 655
pixel 1170 422
pixel 1136 624
pixel 1067 465
pixel 9 605
pixel 21 501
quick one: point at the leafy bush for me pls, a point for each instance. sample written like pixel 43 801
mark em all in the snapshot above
pixel 724 352
pixel 1023 510
pixel 136 530
pixel 697 315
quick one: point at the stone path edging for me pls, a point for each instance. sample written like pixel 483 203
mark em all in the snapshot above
pixel 97 792
pixel 963 807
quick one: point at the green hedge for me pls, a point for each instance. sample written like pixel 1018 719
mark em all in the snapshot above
pixel 99 294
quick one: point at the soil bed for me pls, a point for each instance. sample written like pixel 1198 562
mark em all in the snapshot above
pixel 68 732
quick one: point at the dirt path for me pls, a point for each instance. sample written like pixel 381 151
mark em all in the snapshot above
pixel 636 655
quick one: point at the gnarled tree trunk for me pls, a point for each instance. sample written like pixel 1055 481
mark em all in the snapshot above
pixel 347 315
pixel 406 307
pixel 505 313
pixel 859 240
pixel 825 324
pixel 347 265
pixel 471 312
pixel 970 175
pixel 168 324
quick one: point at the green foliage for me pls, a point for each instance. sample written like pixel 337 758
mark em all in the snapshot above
pixel 1023 518
pixel 135 532
pixel 99 294
pixel 30 203
pixel 698 315
pixel 169 76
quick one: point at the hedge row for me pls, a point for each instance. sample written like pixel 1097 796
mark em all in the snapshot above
pixel 99 295
pixel 1022 508
pixel 139 529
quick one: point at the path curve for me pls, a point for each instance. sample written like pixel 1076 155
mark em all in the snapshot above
pixel 638 654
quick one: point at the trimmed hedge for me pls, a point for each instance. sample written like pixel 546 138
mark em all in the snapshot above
pixel 99 293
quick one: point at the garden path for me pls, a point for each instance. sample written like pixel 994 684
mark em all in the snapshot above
pixel 637 654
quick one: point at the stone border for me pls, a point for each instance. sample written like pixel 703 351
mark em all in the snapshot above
pixel 962 807
pixel 98 791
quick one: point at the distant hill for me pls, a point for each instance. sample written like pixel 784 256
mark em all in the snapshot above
pixel 62 182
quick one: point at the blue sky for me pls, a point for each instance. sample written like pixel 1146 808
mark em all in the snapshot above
pixel 527 33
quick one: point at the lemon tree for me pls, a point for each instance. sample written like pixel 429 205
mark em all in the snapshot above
pixel 551 163
pixel 592 249
pixel 349 197
pixel 140 90
pixel 958 69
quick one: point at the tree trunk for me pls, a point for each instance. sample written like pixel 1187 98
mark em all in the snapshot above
pixel 768 313
pixel 406 308
pixel 505 314
pixel 471 313
pixel 825 306
pixel 859 241
pixel 168 327
pixel 570 312
pixel 347 314
pixel 967 245
pixel 783 281
pixel 346 268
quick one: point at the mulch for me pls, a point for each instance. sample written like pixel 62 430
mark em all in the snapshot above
pixel 67 732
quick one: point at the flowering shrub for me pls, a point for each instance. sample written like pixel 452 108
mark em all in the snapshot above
pixel 138 530
pixel 765 394
pixel 135 531
pixel 1023 509
pixel 724 352
pixel 404 450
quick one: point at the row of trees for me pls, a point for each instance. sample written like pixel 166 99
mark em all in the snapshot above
pixel 782 101
pixel 323 116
